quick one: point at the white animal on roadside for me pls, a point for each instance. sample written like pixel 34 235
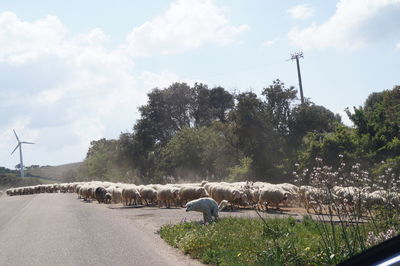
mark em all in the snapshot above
pixel 207 206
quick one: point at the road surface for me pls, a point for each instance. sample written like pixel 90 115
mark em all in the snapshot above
pixel 59 229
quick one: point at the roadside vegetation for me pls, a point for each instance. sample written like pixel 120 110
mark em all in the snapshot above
pixel 196 132
pixel 339 224
pixel 241 241
pixel 279 241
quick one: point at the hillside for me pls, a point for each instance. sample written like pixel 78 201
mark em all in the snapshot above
pixel 63 172
pixel 10 178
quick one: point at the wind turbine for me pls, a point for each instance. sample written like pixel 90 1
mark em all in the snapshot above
pixel 20 152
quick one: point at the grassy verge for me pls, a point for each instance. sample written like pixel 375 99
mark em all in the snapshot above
pixel 240 241
pixel 280 241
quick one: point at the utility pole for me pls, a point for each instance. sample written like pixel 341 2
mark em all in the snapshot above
pixel 296 57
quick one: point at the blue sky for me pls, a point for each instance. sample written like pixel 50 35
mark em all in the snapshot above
pixel 75 71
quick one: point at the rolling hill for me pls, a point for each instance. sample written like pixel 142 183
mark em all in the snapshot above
pixel 62 173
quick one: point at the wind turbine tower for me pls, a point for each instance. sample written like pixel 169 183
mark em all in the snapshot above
pixel 19 145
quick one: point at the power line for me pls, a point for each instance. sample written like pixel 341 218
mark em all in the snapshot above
pixel 296 57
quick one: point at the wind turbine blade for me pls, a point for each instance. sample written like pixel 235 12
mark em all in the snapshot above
pixel 15 148
pixel 26 142
pixel 16 135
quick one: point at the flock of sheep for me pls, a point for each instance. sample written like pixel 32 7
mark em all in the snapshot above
pixel 239 194
pixel 260 195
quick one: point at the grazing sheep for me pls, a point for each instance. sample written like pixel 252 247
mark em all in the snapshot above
pixel 311 196
pixel 100 193
pixel 167 195
pixel 130 196
pixel 225 192
pixel 346 195
pixel 207 206
pixel 188 193
pixel 116 195
pixel 271 195
pixel 377 197
pixel 148 194
pixel 77 189
pixel 83 193
pixel 107 198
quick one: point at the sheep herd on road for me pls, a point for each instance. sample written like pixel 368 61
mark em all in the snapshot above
pixel 260 195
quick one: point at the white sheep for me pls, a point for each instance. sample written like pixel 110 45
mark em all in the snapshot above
pixel 188 193
pixel 130 195
pixel 116 195
pixel 167 195
pixel 269 195
pixel 107 198
pixel 148 194
pixel 226 192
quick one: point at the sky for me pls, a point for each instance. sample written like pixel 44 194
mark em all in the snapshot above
pixel 76 71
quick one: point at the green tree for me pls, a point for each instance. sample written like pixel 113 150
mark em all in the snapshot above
pixel 309 117
pixel 278 104
pixel 378 124
pixel 257 138
pixel 221 103
pixel 100 157
pixel 196 153
pixel 328 146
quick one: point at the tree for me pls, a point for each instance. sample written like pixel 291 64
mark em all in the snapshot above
pixel 18 166
pixel 257 138
pixel 278 104
pixel 166 112
pixel 196 153
pixel 328 146
pixel 378 124
pixel 309 117
pixel 221 103
pixel 100 157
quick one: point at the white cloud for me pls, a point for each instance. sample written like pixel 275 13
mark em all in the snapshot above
pixel 269 42
pixel 187 24
pixel 300 12
pixel 398 46
pixel 21 41
pixel 64 91
pixel 355 24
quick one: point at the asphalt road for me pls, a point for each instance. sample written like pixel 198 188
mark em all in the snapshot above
pixel 59 229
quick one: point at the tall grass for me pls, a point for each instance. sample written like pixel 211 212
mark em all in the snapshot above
pixel 349 221
pixel 241 241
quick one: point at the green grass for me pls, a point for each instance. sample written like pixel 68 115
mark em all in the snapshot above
pixel 280 241
pixel 241 241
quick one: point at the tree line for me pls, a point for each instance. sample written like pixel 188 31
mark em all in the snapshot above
pixel 196 132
